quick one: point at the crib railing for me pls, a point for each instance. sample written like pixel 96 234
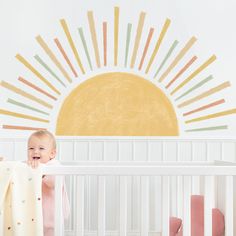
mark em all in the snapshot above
pixel 213 180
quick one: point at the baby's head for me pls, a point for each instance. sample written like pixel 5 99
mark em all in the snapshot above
pixel 41 146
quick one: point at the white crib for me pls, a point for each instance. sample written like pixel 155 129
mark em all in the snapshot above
pixel 176 181
pixel 131 186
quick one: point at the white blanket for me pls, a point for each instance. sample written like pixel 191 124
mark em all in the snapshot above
pixel 20 200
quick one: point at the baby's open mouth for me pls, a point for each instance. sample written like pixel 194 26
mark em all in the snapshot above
pixel 36 158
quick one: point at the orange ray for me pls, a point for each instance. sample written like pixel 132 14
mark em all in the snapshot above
pixel 104 26
pixel 205 107
pixel 36 88
pixel 181 71
pixel 146 47
pixel 65 56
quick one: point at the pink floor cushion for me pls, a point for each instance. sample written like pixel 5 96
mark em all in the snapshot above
pixel 175 224
pixel 197 218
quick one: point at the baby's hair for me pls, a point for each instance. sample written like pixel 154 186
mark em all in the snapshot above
pixel 41 133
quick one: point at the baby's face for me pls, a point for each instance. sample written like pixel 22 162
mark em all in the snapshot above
pixel 41 148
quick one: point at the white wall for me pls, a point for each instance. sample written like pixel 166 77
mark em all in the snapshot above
pixel 212 22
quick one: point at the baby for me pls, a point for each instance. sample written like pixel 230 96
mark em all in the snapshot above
pixel 42 149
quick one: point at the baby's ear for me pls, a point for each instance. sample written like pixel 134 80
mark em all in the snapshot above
pixel 53 153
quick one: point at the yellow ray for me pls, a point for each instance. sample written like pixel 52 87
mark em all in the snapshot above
pixel 178 58
pixel 205 94
pixel 116 33
pixel 21 127
pixel 71 42
pixel 24 94
pixel 137 38
pixel 196 72
pixel 94 37
pixel 53 57
pixel 215 115
pixel 32 69
pixel 162 34
pixel 19 115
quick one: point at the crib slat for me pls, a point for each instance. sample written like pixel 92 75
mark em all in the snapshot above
pixel 101 206
pixel 144 205
pixel 208 204
pixel 195 185
pixel 123 206
pixel 165 204
pixel 187 206
pixel 59 218
pixel 229 206
pixel 80 206
pixel 180 196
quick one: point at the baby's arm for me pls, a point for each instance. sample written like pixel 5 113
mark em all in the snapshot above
pixel 49 181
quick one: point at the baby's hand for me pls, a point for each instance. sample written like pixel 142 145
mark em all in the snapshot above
pixel 1 158
pixel 34 163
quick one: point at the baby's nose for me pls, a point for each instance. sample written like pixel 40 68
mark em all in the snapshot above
pixel 36 150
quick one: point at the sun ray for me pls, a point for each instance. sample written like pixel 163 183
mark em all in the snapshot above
pixel 72 45
pixel 221 101
pixel 213 128
pixel 104 29
pixel 137 38
pixel 21 127
pixel 116 33
pixel 26 106
pixel 195 87
pixel 211 116
pixel 65 56
pixel 205 94
pixel 94 37
pixel 23 116
pixel 85 47
pixel 158 44
pixel 34 71
pixel 196 72
pixel 49 52
pixel 41 62
pixel 129 28
pixel 186 66
pixel 24 94
pixel 36 88
pixel 146 47
pixel 177 59
pixel 173 46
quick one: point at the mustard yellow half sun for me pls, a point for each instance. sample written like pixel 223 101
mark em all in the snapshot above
pixel 117 104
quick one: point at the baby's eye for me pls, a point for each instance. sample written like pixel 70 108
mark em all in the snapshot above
pixel 31 148
pixel 41 148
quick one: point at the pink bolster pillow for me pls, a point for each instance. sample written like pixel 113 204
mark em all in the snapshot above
pixel 175 224
pixel 197 218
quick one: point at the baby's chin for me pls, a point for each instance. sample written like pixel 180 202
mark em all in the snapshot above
pixel 43 161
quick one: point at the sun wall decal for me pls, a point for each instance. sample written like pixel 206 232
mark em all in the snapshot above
pixel 143 92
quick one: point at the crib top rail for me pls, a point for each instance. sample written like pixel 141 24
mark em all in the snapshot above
pixel 103 168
